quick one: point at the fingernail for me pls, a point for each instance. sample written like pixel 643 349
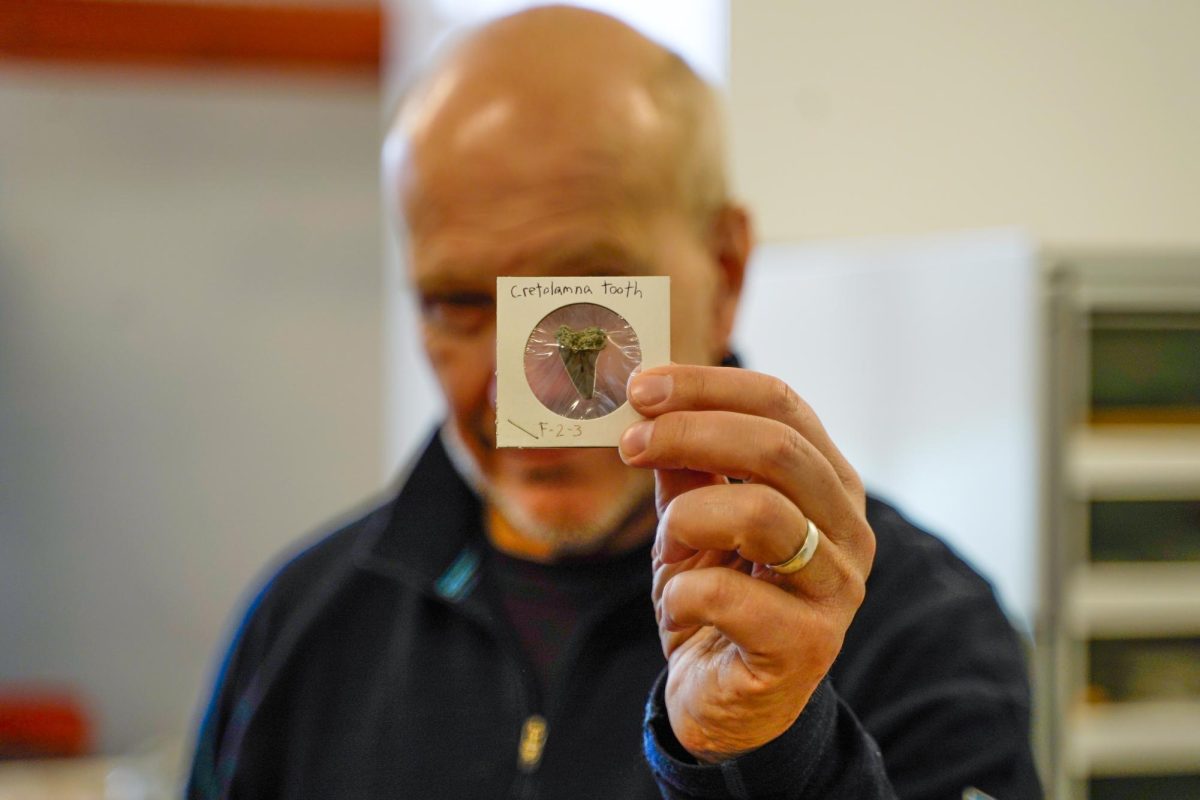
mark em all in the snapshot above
pixel 650 390
pixel 635 439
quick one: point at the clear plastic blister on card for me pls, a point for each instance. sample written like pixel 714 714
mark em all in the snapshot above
pixel 578 359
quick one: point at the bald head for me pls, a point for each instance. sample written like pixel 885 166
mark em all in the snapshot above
pixel 570 82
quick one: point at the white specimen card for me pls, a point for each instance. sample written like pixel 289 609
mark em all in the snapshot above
pixel 565 347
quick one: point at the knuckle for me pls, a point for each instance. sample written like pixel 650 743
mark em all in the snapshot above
pixel 668 520
pixel 786 402
pixel 660 581
pixel 829 645
pixel 855 590
pixel 785 449
pixel 852 481
pixel 669 594
pixel 823 641
pixel 858 535
pixel 662 534
pixel 766 508
pixel 674 524
pixel 688 386
pixel 868 545
pixel 671 432
pixel 680 427
pixel 715 590
pixel 849 585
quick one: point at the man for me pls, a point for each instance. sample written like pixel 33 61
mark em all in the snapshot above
pixel 498 628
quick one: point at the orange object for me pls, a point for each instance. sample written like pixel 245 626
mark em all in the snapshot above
pixel 42 723
pixel 291 34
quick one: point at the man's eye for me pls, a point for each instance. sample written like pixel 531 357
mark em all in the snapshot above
pixel 458 313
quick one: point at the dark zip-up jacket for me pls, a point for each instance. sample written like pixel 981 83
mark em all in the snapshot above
pixel 375 664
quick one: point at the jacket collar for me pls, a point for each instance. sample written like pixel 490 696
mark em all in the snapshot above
pixel 431 534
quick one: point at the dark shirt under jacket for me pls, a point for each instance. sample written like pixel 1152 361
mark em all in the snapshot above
pixel 380 663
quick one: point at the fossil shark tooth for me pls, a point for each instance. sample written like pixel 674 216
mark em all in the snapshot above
pixel 579 350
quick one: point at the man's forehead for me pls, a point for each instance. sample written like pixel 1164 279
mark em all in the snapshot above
pixel 517 167
pixel 452 271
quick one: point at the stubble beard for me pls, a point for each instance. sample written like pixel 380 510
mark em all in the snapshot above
pixel 581 537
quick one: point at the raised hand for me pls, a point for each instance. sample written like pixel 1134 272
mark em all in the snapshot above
pixel 746 646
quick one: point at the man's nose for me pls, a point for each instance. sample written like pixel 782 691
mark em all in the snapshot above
pixel 491 391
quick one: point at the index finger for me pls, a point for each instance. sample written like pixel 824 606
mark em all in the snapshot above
pixel 686 387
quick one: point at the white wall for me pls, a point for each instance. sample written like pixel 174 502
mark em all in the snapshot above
pixel 1075 119
pixel 191 329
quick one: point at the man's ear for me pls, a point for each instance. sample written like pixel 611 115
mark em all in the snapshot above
pixel 732 239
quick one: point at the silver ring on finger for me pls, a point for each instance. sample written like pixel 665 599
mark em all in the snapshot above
pixel 800 560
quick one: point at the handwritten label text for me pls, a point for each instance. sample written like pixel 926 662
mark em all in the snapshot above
pixel 611 288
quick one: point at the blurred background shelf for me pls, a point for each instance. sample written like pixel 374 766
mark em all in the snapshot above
pixel 1145 738
pixel 1135 600
pixel 1136 461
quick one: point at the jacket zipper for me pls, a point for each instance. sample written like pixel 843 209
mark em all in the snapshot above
pixel 533 741
pixel 535 730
